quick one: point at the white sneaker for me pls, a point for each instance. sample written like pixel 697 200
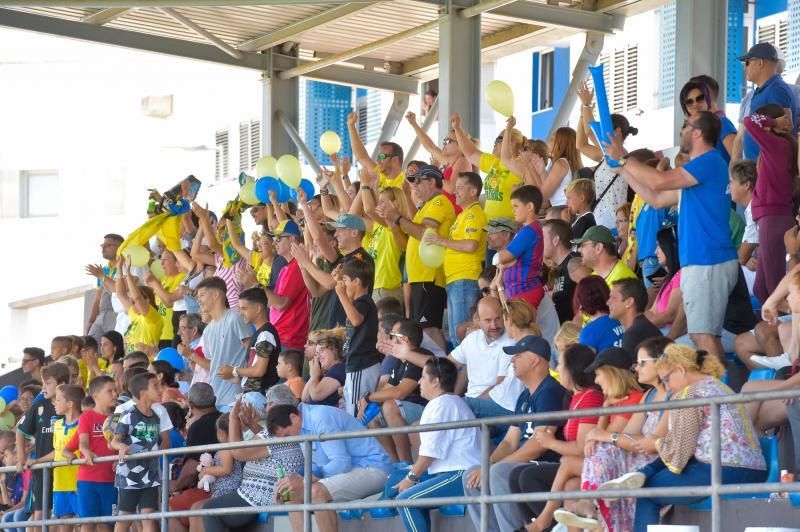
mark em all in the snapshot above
pixel 568 518
pixel 778 362
pixel 627 481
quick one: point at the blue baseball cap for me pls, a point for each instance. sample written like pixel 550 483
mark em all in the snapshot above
pixel 762 50
pixel 348 221
pixel 287 227
pixel 533 343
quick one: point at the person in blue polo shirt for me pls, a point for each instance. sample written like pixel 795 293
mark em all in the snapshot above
pixel 762 67
pixel 708 259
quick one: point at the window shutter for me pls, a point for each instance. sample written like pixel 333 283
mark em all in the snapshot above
pixel 766 33
pixel 783 37
pixel 632 78
pixel 244 146
pixel 221 157
pixel 255 142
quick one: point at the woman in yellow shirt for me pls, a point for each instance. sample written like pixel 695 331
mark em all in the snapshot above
pixel 139 302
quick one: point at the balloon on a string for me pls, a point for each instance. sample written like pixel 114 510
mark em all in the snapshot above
pixel 500 97
pixel 9 393
pixel 308 188
pixel 137 255
pixel 431 255
pixel 157 269
pixel 284 192
pixel 267 165
pixel 330 142
pixel 289 170
pixel 171 355
pixel 263 186
pixel 248 194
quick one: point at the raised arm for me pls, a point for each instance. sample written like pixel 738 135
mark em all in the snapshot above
pixel 507 153
pixel 121 288
pixel 465 144
pixel 238 245
pixel 205 223
pixel 584 133
pixel 324 245
pixel 359 151
pixel 426 142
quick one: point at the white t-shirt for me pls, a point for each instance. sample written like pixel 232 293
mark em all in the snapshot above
pixel 485 362
pixel 559 197
pixel 163 416
pixel 452 450
pixel 750 227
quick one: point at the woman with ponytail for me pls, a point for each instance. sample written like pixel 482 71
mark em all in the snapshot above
pixel 684 453
pixel 771 205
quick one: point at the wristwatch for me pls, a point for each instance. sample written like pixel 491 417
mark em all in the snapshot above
pixel 235 372
pixel 412 477
pixel 615 439
pixel 397 222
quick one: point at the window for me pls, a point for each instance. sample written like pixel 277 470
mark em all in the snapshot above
pixel 546 81
pixel 621 75
pixel 39 193
pixel 221 157
pixel 249 144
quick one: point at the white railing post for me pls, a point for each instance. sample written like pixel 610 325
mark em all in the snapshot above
pixel 486 447
pixel 307 464
pixel 716 470
pixel 164 491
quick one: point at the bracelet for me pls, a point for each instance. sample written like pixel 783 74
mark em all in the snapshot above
pixel 366 187
pixel 397 222
pixel 501 289
pixel 587 105
pixel 324 192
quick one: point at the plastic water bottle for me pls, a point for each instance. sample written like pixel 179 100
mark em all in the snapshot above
pixel 285 495
pixel 372 410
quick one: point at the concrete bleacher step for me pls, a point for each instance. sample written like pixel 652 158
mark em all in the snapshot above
pixel 739 514
pixel 439 523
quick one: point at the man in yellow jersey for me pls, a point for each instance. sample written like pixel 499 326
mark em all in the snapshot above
pixel 390 157
pixel 427 284
pixel 465 250
pixel 599 250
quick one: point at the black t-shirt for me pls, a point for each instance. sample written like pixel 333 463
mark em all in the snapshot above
pixel 38 424
pixel 338 316
pixel 202 432
pixel 563 290
pixel 739 315
pixel 582 224
pixel 265 343
pixel 407 370
pixel 640 330
pixel 359 344
pixel 337 372
pixel 278 262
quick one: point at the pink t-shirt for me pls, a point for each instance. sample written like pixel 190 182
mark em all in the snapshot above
pixel 662 299
pixel 292 322
pixel 229 276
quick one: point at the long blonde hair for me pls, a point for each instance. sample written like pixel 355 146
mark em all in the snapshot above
pixel 691 360
pixel 398 198
pixel 517 141
pixel 621 382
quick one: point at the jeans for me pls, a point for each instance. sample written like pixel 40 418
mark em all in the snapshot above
pixel 650 266
pixel 461 297
pixel 485 407
pixel 17 516
pixel 694 474
pixel 447 484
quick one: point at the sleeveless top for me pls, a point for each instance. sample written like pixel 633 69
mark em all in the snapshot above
pixel 559 197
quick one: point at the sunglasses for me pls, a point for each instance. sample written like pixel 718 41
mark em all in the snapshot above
pixel 384 156
pixel 641 363
pixel 447 141
pixel 690 101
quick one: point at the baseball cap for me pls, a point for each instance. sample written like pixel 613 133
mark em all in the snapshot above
pixel 613 356
pixel 287 227
pixel 762 50
pixel 533 343
pixel 597 233
pixel 498 225
pixel 348 221
pixel 427 170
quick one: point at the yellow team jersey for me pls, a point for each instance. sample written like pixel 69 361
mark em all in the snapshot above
pixel 65 478
pixel 143 329
pixel 619 271
pixel 437 208
pixel 383 248
pixel 263 269
pixel 395 182
pixel 636 207
pixel 170 284
pixel 498 185
pixel 468 226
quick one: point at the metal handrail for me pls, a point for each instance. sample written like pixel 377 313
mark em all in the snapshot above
pixel 714 490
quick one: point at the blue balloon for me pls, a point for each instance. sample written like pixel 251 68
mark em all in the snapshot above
pixel 263 186
pixel 171 355
pixel 9 393
pixel 605 128
pixel 284 192
pixel 308 188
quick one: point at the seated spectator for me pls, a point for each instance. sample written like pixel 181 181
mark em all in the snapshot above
pixel 326 370
pixel 444 455
pixel 685 450
pixel 577 269
pixel 623 222
pixel 591 299
pixel 290 369
pixel 598 249
pixel 627 302
pixel 392 305
pixel 343 470
pixel 580 196
pixel 530 360
pixel 558 252
pixel 668 300
pixel 567 334
pixel 399 397
pixel 260 470
pixel 385 345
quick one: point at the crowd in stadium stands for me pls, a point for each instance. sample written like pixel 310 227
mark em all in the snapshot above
pixel 562 287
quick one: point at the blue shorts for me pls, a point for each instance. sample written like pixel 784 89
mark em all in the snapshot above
pixel 65 503
pixel 96 499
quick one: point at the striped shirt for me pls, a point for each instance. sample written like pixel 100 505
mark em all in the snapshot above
pixel 527 247
pixel 229 276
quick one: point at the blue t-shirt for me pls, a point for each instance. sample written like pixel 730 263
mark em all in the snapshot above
pixel 602 333
pixel 649 222
pixel 777 91
pixel 727 129
pixel 549 396
pixel 704 232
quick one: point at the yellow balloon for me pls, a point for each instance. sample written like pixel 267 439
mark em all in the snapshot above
pixel 431 255
pixel 248 194
pixel 138 255
pixel 2 404
pixel 500 97
pixel 266 166
pixel 289 170
pixel 330 142
pixel 157 269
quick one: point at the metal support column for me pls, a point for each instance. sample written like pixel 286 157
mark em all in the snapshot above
pixel 459 71
pixel 392 121
pixel 278 95
pixel 699 47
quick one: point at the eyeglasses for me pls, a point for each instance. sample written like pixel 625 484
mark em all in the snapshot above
pixel 383 156
pixel 278 238
pixel 447 141
pixel 665 377
pixel 688 124
pixel 309 343
pixel 620 222
pixel 690 101
pixel 641 363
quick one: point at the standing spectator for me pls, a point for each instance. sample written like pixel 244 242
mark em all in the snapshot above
pixel 761 68
pixel 259 370
pixel 598 248
pixel 558 252
pixel 696 96
pixel 103 317
pixel 288 301
pixel 708 259
pixel 33 362
pixel 465 250
pixel 427 284
pixel 390 156
pixel 223 338
pixel 169 296
pixel 627 302
pixel 591 299
pixel 362 360
pixel 521 260
pixel 580 197
pixel 770 127
pixel 139 302
pixel 444 455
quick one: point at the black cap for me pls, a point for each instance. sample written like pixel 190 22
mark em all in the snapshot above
pixel 535 344
pixel 762 50
pixel 613 356
pixel 429 171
